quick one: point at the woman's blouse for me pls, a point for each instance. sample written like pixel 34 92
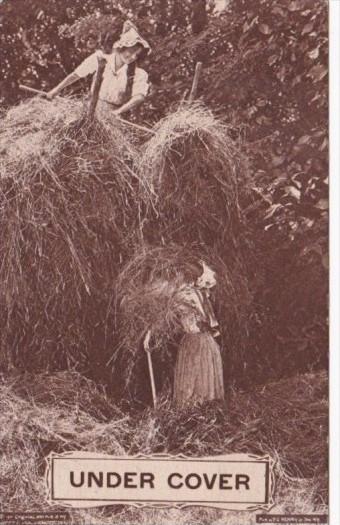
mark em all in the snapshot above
pixel 196 312
pixel 114 82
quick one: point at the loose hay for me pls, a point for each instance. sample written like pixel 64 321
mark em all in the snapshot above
pixel 286 419
pixel 67 216
pixel 32 426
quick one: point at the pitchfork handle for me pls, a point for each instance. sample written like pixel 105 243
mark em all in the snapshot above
pixel 32 90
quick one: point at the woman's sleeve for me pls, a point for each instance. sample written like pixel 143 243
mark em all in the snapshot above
pixel 140 83
pixel 88 66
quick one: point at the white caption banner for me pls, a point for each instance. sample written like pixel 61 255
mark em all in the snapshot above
pixel 235 481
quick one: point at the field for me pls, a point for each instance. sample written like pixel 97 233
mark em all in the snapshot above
pixel 66 411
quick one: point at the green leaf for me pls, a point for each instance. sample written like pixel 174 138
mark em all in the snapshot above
pixel 272 59
pixel 324 144
pixel 318 72
pixel 278 11
pixel 305 139
pixel 314 53
pixel 282 73
pixel 307 28
pixel 297 5
pixel 277 161
pixel 272 210
pixel 294 192
pixel 265 29
pixel 322 204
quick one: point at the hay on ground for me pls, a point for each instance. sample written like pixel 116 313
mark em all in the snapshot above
pixel 286 419
pixel 32 426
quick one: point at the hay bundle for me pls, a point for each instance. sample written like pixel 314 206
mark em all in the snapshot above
pixel 149 299
pixel 194 166
pixel 67 210
pixel 76 201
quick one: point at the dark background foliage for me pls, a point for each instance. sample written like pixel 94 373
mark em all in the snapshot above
pixel 265 75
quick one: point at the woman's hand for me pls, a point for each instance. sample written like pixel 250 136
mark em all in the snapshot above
pixel 51 94
pixel 146 342
pixel 68 81
pixel 130 104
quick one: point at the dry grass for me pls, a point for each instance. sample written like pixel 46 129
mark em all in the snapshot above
pixel 68 215
pixel 194 168
pixel 148 299
pixel 84 205
pixel 31 428
pixel 287 419
pixel 190 141
pixel 33 135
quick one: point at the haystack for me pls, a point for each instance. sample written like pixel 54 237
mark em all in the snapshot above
pixel 67 216
pixel 87 213
pixel 196 171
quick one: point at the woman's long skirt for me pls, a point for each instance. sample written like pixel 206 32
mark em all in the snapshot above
pixel 198 370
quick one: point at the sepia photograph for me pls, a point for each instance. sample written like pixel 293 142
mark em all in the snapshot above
pixel 164 262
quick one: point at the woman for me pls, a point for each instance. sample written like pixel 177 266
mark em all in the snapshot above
pixel 124 85
pixel 198 371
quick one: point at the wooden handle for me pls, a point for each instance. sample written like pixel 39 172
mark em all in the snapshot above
pixel 193 91
pixel 96 88
pixel 92 106
pixel 152 380
pixel 136 126
pixel 32 90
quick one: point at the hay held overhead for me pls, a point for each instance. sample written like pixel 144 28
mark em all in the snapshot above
pixel 149 298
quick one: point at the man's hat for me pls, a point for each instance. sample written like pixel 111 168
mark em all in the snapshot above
pixel 131 37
